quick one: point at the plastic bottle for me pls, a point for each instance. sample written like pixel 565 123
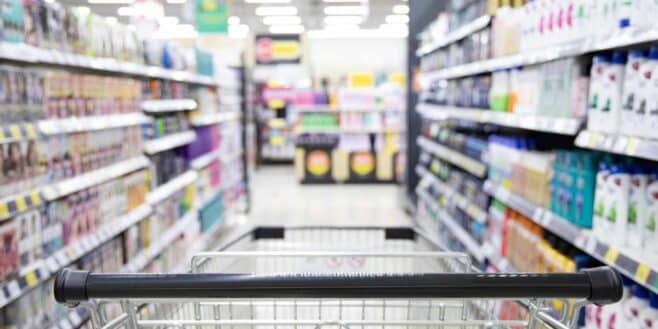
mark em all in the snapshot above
pixel 652 96
pixel 613 86
pixel 610 316
pixel 631 94
pixel 632 308
pixel 597 74
pixel 645 87
pixel 499 94
pixel 637 205
pixel 652 214
pixel 618 186
pixel 648 318
pixel 599 223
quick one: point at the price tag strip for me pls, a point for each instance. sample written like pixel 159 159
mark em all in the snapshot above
pixel 581 238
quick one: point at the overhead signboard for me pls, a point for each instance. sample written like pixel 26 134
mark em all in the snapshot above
pixel 278 49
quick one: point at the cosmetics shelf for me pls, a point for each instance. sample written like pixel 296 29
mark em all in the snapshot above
pixel 460 160
pixel 619 144
pixel 562 126
pixel 636 264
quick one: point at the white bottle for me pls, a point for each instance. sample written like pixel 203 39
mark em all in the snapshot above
pixel 611 316
pixel 631 94
pixel 652 98
pixel 613 86
pixel 652 214
pixel 645 96
pixel 632 308
pixel 599 223
pixel 648 318
pixel 637 208
pixel 618 184
pixel 597 75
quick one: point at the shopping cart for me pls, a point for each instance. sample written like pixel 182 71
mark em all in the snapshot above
pixel 390 278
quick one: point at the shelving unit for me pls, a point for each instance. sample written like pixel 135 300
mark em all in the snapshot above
pixel 452 197
pixel 45 269
pixel 93 123
pixel 473 247
pixel 32 55
pixel 572 49
pixel 456 35
pixel 624 145
pixel 168 105
pixel 562 126
pixel 172 186
pixel 469 164
pixel 632 263
pixel 169 142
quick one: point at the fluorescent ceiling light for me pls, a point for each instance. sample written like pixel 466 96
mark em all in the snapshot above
pixel 394 27
pixel 176 1
pixel 344 1
pixel 401 9
pixel 397 19
pixel 346 10
pixel 276 11
pixel 267 1
pixel 126 11
pixel 358 34
pixel 286 29
pixel 110 2
pixel 341 27
pixel 233 20
pixel 330 20
pixel 282 20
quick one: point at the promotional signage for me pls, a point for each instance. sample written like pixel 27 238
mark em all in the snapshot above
pixel 211 16
pixel 278 49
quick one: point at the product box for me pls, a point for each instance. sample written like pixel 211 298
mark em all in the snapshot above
pixel 363 167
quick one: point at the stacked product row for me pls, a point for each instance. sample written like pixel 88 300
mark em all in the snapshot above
pixel 50 25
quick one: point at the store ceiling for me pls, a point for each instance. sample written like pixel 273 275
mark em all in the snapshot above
pixel 310 11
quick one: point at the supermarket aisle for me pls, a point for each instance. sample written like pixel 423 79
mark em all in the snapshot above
pixel 278 199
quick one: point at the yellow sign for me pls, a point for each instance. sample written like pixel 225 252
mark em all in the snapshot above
pixel 398 78
pixel 642 273
pixel 277 141
pixel 362 80
pixel 286 49
pixel 317 163
pixel 363 163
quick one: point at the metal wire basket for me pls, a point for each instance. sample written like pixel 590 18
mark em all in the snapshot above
pixel 394 279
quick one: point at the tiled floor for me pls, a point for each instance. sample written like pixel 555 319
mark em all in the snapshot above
pixel 278 199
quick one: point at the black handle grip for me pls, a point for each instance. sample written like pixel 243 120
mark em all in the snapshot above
pixel 600 285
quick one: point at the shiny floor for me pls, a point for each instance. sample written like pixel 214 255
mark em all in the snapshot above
pixel 278 199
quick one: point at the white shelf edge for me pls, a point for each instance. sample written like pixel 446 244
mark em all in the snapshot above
pixel 456 35
pixel 29 54
pixel 475 167
pixel 92 123
pixel 557 125
pixel 537 56
pixel 169 142
pixel 619 144
pixel 168 105
pixel 206 159
pixel 466 239
pixel 210 119
pixel 164 191
pixel 98 176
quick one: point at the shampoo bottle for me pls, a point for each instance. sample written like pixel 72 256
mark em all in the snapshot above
pixel 637 210
pixel 597 74
pixel 613 87
pixel 618 184
pixel 629 122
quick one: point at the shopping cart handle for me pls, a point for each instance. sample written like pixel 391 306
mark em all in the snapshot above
pixel 599 285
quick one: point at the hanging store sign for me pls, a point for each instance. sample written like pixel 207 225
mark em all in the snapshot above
pixel 278 49
pixel 211 16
